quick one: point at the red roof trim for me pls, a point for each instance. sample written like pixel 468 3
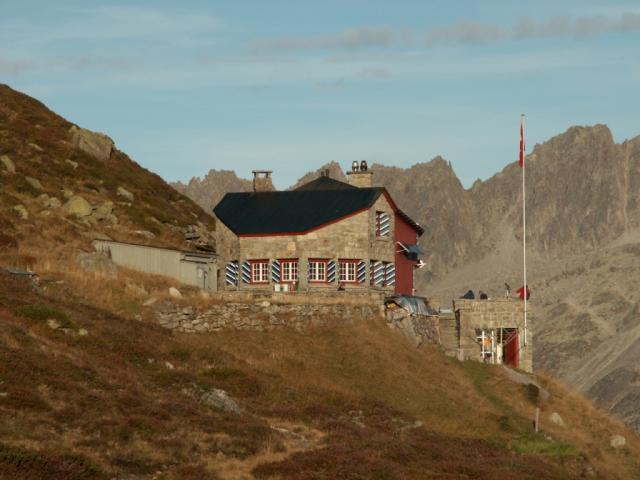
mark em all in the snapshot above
pixel 283 234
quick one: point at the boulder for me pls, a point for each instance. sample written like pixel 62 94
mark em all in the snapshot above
pixel 83 332
pixel 34 182
pixel 98 145
pixel 21 211
pixel 72 163
pixel 53 324
pixel 7 164
pixel 123 192
pixel 49 202
pixel 66 193
pixel 103 213
pixel 218 398
pixel 36 147
pixel 96 262
pixel 145 234
pixel 214 398
pixel 78 207
pixel 556 419
pixel 618 441
pixel 174 293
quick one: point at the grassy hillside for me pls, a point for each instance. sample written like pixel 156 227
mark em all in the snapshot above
pixel 122 398
pixel 40 146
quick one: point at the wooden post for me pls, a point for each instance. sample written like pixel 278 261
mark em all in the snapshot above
pixel 537 420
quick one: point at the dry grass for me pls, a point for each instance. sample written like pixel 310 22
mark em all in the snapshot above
pixel 352 390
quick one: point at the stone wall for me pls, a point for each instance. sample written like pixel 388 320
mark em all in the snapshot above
pixel 261 316
pixel 492 314
pixel 418 329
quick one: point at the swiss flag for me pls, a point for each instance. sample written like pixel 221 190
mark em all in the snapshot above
pixel 521 161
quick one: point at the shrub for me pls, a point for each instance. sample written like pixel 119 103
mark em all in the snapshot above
pixel 42 313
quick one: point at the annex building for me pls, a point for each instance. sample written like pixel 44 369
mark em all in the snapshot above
pixel 322 237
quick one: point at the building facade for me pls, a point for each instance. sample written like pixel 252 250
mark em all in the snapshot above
pixel 489 331
pixel 322 237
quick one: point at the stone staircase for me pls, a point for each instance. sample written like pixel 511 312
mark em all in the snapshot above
pixel 449 335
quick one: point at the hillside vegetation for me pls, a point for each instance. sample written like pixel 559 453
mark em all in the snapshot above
pixel 351 400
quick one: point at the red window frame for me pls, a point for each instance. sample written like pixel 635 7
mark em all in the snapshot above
pixel 296 270
pixel 352 264
pixel 320 261
pixel 264 263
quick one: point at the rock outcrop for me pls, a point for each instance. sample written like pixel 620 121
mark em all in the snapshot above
pixel 98 145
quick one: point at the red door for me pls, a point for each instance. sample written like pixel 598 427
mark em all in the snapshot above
pixel 511 350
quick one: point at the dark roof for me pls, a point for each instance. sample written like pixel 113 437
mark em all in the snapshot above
pixel 325 183
pixel 296 211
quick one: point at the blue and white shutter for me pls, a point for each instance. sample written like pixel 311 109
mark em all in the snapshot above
pixel 390 274
pixel 231 273
pixel 385 224
pixel 377 272
pixel 361 273
pixel 331 271
pixel 275 271
pixel 246 272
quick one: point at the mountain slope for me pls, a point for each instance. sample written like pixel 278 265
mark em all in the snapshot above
pixel 126 399
pixel 67 184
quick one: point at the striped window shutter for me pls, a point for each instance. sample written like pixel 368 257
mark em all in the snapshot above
pixel 246 272
pixel 385 224
pixel 331 271
pixel 378 272
pixel 362 271
pixel 231 273
pixel 390 274
pixel 275 271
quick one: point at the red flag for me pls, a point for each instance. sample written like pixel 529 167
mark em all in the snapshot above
pixel 521 161
pixel 521 292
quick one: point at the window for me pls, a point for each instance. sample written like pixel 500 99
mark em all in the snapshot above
pixel 348 271
pixel 317 270
pixel 383 224
pixel 259 271
pixel 289 270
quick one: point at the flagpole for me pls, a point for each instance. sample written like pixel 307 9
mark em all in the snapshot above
pixel 524 231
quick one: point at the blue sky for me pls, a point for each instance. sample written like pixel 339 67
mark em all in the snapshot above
pixel 184 87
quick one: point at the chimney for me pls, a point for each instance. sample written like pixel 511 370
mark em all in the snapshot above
pixel 360 176
pixel 262 181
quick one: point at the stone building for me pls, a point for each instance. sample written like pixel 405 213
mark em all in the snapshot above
pixel 322 237
pixel 490 331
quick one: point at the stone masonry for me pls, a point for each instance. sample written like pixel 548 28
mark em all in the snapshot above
pixel 353 237
pixel 261 316
pixel 487 315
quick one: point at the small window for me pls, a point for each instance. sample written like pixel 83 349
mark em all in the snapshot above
pixel 317 270
pixel 259 271
pixel 383 224
pixel 348 271
pixel 289 269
